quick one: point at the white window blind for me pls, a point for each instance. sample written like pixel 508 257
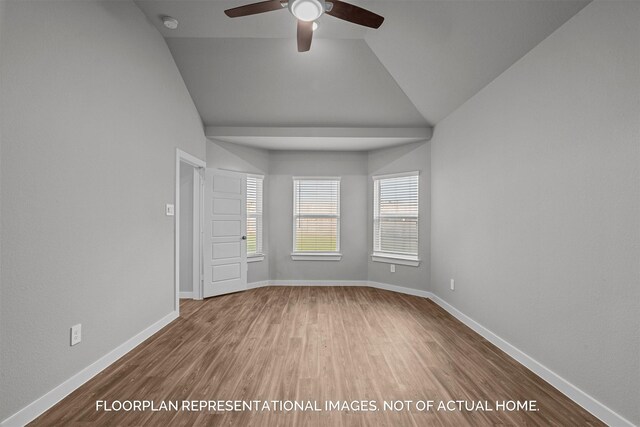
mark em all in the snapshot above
pixel 316 215
pixel 395 215
pixel 254 214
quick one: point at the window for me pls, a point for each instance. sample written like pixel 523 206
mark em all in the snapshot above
pixel 316 218
pixel 254 215
pixel 395 218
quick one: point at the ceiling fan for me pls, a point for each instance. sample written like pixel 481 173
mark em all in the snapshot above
pixel 307 11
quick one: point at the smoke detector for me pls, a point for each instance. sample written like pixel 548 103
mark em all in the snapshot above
pixel 169 22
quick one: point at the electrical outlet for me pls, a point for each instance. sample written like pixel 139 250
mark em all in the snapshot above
pixel 453 284
pixel 392 268
pixel 76 334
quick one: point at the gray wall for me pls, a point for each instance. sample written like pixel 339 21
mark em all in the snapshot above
pixel 356 169
pixel 186 227
pixel 239 158
pixel 536 204
pixel 2 7
pixel 352 167
pixel 93 110
pixel 236 157
pixel 404 158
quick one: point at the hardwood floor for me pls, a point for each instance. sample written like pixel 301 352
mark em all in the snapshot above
pixel 316 344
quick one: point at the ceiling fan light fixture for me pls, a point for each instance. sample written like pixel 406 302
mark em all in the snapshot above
pixel 306 10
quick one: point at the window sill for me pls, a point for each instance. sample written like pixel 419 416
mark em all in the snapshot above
pixel 396 259
pixel 255 258
pixel 316 256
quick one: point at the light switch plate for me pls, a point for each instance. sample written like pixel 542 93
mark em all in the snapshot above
pixel 170 210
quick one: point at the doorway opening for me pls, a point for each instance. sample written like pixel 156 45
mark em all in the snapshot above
pixel 188 226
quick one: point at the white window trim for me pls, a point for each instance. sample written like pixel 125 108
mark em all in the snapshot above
pixel 316 256
pixel 259 256
pixel 396 258
pixel 318 178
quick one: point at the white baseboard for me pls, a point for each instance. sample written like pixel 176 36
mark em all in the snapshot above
pixel 318 283
pixel 186 295
pixel 40 405
pixel 260 284
pixel 400 289
pixel 263 283
pixel 378 285
pixel 590 404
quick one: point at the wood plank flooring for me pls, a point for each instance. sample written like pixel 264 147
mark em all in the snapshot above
pixel 316 344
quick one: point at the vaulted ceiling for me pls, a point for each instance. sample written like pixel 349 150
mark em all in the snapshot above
pixel 266 82
pixel 427 59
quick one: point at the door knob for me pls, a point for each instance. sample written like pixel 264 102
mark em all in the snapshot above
pixel 244 237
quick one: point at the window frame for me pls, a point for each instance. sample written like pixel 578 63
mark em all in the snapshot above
pixel 316 255
pixel 258 255
pixel 394 257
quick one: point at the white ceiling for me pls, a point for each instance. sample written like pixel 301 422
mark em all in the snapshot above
pixel 442 53
pixel 316 143
pixel 206 18
pixel 427 59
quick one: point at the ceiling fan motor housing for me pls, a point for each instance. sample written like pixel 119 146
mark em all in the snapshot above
pixel 307 10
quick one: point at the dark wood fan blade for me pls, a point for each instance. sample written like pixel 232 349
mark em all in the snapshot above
pixel 254 8
pixel 355 14
pixel 305 34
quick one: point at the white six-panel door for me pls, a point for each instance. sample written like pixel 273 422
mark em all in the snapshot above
pixel 225 255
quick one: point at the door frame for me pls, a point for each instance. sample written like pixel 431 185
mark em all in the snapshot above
pixel 199 165
pixel 198 233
